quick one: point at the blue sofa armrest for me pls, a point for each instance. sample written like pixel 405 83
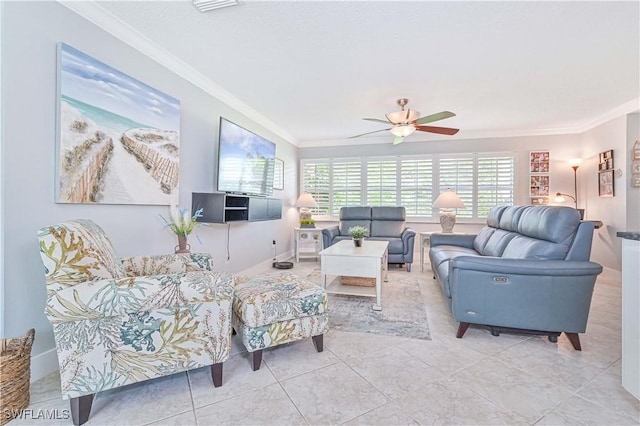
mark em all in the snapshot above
pixel 328 234
pixel 462 240
pixel 408 239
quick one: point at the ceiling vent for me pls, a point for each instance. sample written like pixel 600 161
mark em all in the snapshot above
pixel 207 5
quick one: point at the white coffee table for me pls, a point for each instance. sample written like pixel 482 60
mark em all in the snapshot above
pixel 344 258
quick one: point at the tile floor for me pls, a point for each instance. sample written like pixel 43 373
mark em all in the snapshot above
pixel 366 379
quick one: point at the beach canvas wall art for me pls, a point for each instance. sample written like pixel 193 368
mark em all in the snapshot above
pixel 118 139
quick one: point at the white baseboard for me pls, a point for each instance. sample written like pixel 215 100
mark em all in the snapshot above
pixel 260 267
pixel 44 364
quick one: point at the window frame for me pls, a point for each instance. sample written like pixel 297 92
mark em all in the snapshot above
pixel 435 181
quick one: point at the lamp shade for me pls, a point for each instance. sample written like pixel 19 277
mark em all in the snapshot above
pixel 403 130
pixel 306 200
pixel 448 200
pixel 403 116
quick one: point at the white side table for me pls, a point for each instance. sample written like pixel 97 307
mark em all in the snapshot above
pixel 308 242
pixel 425 240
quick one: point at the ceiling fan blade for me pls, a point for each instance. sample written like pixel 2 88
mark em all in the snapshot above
pixel 377 120
pixel 368 133
pixel 398 139
pixel 440 130
pixel 434 117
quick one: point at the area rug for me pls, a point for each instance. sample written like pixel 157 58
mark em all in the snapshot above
pixel 403 311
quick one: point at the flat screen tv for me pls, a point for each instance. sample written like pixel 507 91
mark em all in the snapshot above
pixel 245 161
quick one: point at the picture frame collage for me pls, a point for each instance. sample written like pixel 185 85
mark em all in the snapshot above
pixel 539 180
pixel 606 182
pixel 635 165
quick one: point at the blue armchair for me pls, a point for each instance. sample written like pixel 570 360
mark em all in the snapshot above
pixel 383 223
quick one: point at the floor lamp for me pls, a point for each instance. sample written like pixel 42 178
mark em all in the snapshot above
pixel 574 163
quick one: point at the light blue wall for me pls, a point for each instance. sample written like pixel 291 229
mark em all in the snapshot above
pixel 30 33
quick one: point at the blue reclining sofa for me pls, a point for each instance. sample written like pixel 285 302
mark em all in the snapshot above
pixel 383 223
pixel 528 269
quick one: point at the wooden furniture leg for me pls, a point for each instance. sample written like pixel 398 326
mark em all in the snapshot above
pixel 462 328
pixel 575 340
pixel 216 374
pixel 256 360
pixel 318 342
pixel 81 408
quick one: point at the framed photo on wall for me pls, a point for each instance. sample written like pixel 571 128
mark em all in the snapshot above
pixel 539 162
pixel 605 184
pixel 118 139
pixel 539 201
pixel 278 174
pixel 539 186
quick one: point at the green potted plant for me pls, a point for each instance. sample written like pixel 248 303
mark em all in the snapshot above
pixel 307 223
pixel 357 233
pixel 182 224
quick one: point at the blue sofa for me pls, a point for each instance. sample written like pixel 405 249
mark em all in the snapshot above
pixel 528 269
pixel 383 223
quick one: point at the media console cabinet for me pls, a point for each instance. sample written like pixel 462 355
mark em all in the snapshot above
pixel 220 207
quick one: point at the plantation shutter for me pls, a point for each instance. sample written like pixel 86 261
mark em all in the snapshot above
pixel 495 182
pixel 346 184
pixel 382 183
pixel 456 174
pixel 316 181
pixel 416 186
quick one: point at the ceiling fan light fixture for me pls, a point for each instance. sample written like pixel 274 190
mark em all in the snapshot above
pixel 403 130
pixel 399 117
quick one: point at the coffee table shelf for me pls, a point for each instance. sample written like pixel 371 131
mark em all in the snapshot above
pixel 336 287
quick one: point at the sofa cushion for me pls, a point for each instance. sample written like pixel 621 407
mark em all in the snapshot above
pixel 386 228
pixel 395 243
pixel 510 217
pixel 388 213
pixel 493 219
pixel 523 247
pixel 346 224
pixel 497 243
pixel 440 254
pixel 354 216
pixel 440 257
pixel 550 223
pixel 482 238
pixel 355 213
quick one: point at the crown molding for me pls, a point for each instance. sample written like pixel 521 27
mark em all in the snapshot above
pixel 624 109
pixel 104 19
pixel 99 16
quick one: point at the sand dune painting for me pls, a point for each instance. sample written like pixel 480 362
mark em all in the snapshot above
pixel 118 139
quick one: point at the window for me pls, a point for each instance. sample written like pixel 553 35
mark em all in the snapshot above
pixel 481 180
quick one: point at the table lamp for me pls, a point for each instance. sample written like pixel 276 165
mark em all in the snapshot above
pixel 304 202
pixel 446 202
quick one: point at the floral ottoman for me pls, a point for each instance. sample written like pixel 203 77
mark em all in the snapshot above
pixel 272 309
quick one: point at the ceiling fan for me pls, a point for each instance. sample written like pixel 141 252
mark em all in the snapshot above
pixel 407 122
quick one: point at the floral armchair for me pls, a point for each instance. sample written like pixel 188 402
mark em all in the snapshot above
pixel 118 322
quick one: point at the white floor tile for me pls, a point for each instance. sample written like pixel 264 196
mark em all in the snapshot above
pixel 363 378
